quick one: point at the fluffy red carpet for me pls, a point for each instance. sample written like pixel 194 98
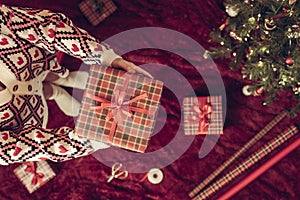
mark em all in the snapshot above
pixel 85 178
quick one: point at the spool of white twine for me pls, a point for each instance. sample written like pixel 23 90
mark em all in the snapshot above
pixel 155 176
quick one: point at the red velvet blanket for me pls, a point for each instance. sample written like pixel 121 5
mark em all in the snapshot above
pixel 86 177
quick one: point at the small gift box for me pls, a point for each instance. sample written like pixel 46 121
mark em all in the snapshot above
pixel 203 115
pixel 119 108
pixel 97 10
pixel 34 174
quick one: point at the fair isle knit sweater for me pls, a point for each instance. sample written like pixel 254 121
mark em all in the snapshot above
pixel 29 39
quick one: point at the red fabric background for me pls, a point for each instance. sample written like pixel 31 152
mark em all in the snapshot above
pixel 85 178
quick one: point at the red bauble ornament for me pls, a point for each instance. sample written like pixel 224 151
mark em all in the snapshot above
pixel 289 60
pixel 258 92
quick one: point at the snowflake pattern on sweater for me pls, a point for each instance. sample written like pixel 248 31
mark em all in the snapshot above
pixel 29 39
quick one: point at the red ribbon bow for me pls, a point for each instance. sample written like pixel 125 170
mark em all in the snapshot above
pixel 200 116
pixel 120 109
pixel 37 177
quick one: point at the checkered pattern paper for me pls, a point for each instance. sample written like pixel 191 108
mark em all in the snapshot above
pixel 237 154
pixel 249 162
pixel 42 167
pixel 214 118
pixel 97 10
pixel 133 132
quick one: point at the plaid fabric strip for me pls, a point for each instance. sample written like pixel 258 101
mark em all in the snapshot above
pixel 216 119
pixel 26 177
pixel 247 146
pixel 249 162
pixel 131 133
pixel 97 10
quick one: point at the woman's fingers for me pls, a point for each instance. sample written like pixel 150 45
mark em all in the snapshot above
pixel 129 66
pixel 142 71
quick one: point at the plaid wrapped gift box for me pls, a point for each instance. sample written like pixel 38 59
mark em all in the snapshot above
pixel 203 115
pixel 97 10
pixel 34 174
pixel 119 108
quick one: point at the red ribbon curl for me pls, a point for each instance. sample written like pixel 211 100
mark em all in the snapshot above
pixel 201 116
pixel 31 167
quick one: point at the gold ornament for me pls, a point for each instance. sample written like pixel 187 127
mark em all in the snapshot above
pixel 232 10
pixel 251 20
pixel 249 53
pixel 234 36
pixel 296 90
pixel 262 35
pixel 293 32
pixel 260 63
pixel 263 49
pixel 270 24
pixel 248 90
pixel 292 1
pixel 206 54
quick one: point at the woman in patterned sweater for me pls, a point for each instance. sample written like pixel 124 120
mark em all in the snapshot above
pixel 30 74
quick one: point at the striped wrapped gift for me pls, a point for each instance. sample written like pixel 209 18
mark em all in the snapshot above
pixel 34 174
pixel 203 115
pixel 119 108
pixel 97 10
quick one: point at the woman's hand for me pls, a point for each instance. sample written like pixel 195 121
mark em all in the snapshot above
pixel 129 66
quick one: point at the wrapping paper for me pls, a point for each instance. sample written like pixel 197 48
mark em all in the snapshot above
pixel 119 108
pixel 249 162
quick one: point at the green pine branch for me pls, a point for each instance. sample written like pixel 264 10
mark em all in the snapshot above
pixel 262 39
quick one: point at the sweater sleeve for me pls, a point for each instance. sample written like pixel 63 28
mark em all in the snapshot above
pixel 35 144
pixel 54 32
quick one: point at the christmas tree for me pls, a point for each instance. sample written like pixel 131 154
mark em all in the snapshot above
pixel 262 40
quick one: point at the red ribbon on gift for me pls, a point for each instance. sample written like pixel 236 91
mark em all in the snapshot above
pixel 120 109
pixel 31 167
pixel 200 116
